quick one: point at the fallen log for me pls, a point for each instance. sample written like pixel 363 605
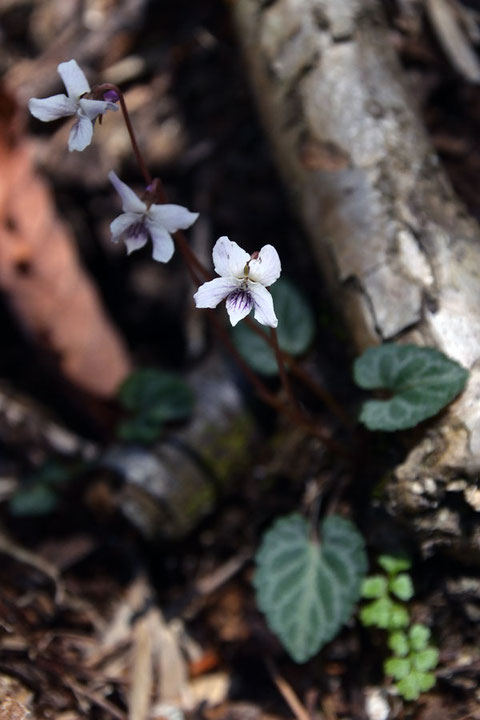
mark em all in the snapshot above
pixel 165 489
pixel 169 488
pixel 398 252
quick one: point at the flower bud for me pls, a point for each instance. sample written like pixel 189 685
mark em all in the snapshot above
pixel 111 96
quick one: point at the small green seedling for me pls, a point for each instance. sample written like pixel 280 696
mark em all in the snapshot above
pixel 413 658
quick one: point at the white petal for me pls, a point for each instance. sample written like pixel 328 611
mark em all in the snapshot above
pixel 266 268
pixel 221 256
pixel 131 227
pixel 52 108
pixel 93 108
pixel 172 217
pixel 130 201
pixel 239 303
pixel 73 78
pixel 163 246
pixel 211 293
pixel 136 240
pixel 263 302
pixel 80 134
pixel 229 258
pixel 122 223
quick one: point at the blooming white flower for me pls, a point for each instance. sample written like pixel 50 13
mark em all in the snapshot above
pixel 86 110
pixel 243 282
pixel 140 220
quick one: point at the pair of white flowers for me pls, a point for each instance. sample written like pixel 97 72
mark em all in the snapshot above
pixel 243 278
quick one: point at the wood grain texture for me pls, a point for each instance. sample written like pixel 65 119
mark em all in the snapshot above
pixel 397 250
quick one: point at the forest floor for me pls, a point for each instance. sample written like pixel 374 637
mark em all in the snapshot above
pixel 97 619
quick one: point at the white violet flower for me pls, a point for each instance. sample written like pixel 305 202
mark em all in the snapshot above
pixel 74 103
pixel 242 283
pixel 139 220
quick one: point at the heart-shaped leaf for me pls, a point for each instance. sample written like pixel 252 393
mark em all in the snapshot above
pixel 39 492
pixel 153 397
pixel 140 429
pixel 164 396
pixel 307 589
pixel 254 350
pixel 34 499
pixel 295 331
pixel 422 382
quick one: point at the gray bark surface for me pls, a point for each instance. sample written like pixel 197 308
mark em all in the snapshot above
pixel 396 248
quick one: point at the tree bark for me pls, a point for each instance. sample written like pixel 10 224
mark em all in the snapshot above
pixel 396 248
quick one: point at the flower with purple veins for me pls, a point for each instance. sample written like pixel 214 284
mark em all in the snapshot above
pixel 140 220
pixel 74 103
pixel 242 283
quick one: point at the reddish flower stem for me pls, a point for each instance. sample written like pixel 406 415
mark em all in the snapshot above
pixel 123 105
pixel 283 375
pixel 296 369
pixel 196 268
pixel 291 410
pixel 261 389
pixel 282 357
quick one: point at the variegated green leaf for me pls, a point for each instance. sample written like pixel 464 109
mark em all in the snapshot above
pixel 308 588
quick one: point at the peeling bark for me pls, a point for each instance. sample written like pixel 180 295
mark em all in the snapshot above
pixel 397 250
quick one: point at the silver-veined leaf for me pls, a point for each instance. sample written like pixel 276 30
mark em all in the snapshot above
pixel 421 380
pixel 307 589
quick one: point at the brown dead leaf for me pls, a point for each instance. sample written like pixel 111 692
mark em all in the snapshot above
pixel 41 275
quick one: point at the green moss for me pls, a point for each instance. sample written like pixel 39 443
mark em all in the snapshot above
pixel 226 454
pixel 199 501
